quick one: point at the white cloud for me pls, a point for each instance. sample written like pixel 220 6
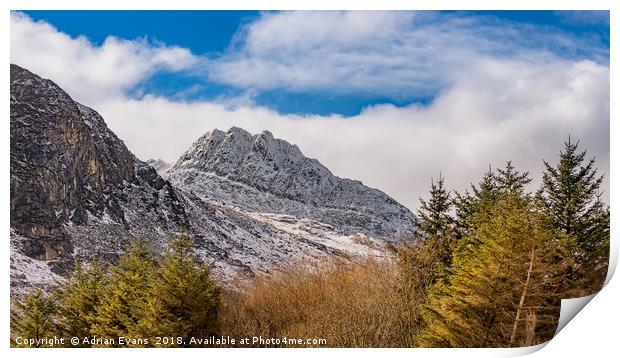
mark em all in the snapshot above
pixel 495 111
pixel 88 72
pixel 387 53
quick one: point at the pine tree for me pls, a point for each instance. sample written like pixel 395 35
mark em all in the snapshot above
pixel 468 204
pixel 572 197
pixel 183 298
pixel 487 191
pixel 572 194
pixel 125 293
pixel 33 317
pixel 435 221
pixel 511 181
pixel 141 297
pixel 596 262
pixel 507 181
pixel 79 298
pixel 504 291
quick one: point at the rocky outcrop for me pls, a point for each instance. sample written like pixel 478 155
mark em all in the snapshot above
pixel 260 173
pixel 65 164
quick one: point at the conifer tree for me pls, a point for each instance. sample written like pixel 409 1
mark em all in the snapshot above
pixel 33 317
pixel 436 223
pixel 510 180
pixel 125 294
pixel 487 192
pixel 572 192
pixel 595 264
pixel 183 298
pixel 505 290
pixel 79 298
pixel 468 204
pixel 572 198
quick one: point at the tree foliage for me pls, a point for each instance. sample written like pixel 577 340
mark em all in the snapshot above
pixel 182 299
pixel 505 289
pixel 435 220
pixel 142 297
pixel 126 293
pixel 420 266
pixel 33 318
pixel 79 299
pixel 469 203
pixel 571 196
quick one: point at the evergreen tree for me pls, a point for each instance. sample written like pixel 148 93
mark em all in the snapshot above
pixel 79 298
pixel 572 194
pixel 572 198
pixel 125 294
pixel 468 204
pixel 183 298
pixel 511 181
pixel 435 221
pixel 487 191
pixel 140 297
pixel 504 291
pixel 434 215
pixel 507 181
pixel 594 268
pixel 33 317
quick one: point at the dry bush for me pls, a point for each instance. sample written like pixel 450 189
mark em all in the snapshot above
pixel 348 304
pixel 367 304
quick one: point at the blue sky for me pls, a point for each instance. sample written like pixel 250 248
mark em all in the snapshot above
pixel 216 34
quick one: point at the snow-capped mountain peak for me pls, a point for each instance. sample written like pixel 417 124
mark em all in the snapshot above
pixel 261 173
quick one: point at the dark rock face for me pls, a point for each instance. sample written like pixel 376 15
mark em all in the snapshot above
pixel 64 160
pixel 78 192
pixel 64 163
pixel 261 173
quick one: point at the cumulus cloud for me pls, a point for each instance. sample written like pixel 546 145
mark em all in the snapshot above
pixel 496 111
pixel 389 53
pixel 90 73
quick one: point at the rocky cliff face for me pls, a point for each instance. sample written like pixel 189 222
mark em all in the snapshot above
pixel 65 164
pixel 77 191
pixel 260 173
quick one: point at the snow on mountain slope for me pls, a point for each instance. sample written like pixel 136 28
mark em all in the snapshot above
pixel 358 245
pixel 27 271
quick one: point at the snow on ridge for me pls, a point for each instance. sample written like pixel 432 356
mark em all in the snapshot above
pixel 261 173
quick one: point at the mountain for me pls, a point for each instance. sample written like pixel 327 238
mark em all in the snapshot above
pixel 159 165
pixel 78 192
pixel 260 173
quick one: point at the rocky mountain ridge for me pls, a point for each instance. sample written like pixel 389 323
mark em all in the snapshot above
pixel 260 173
